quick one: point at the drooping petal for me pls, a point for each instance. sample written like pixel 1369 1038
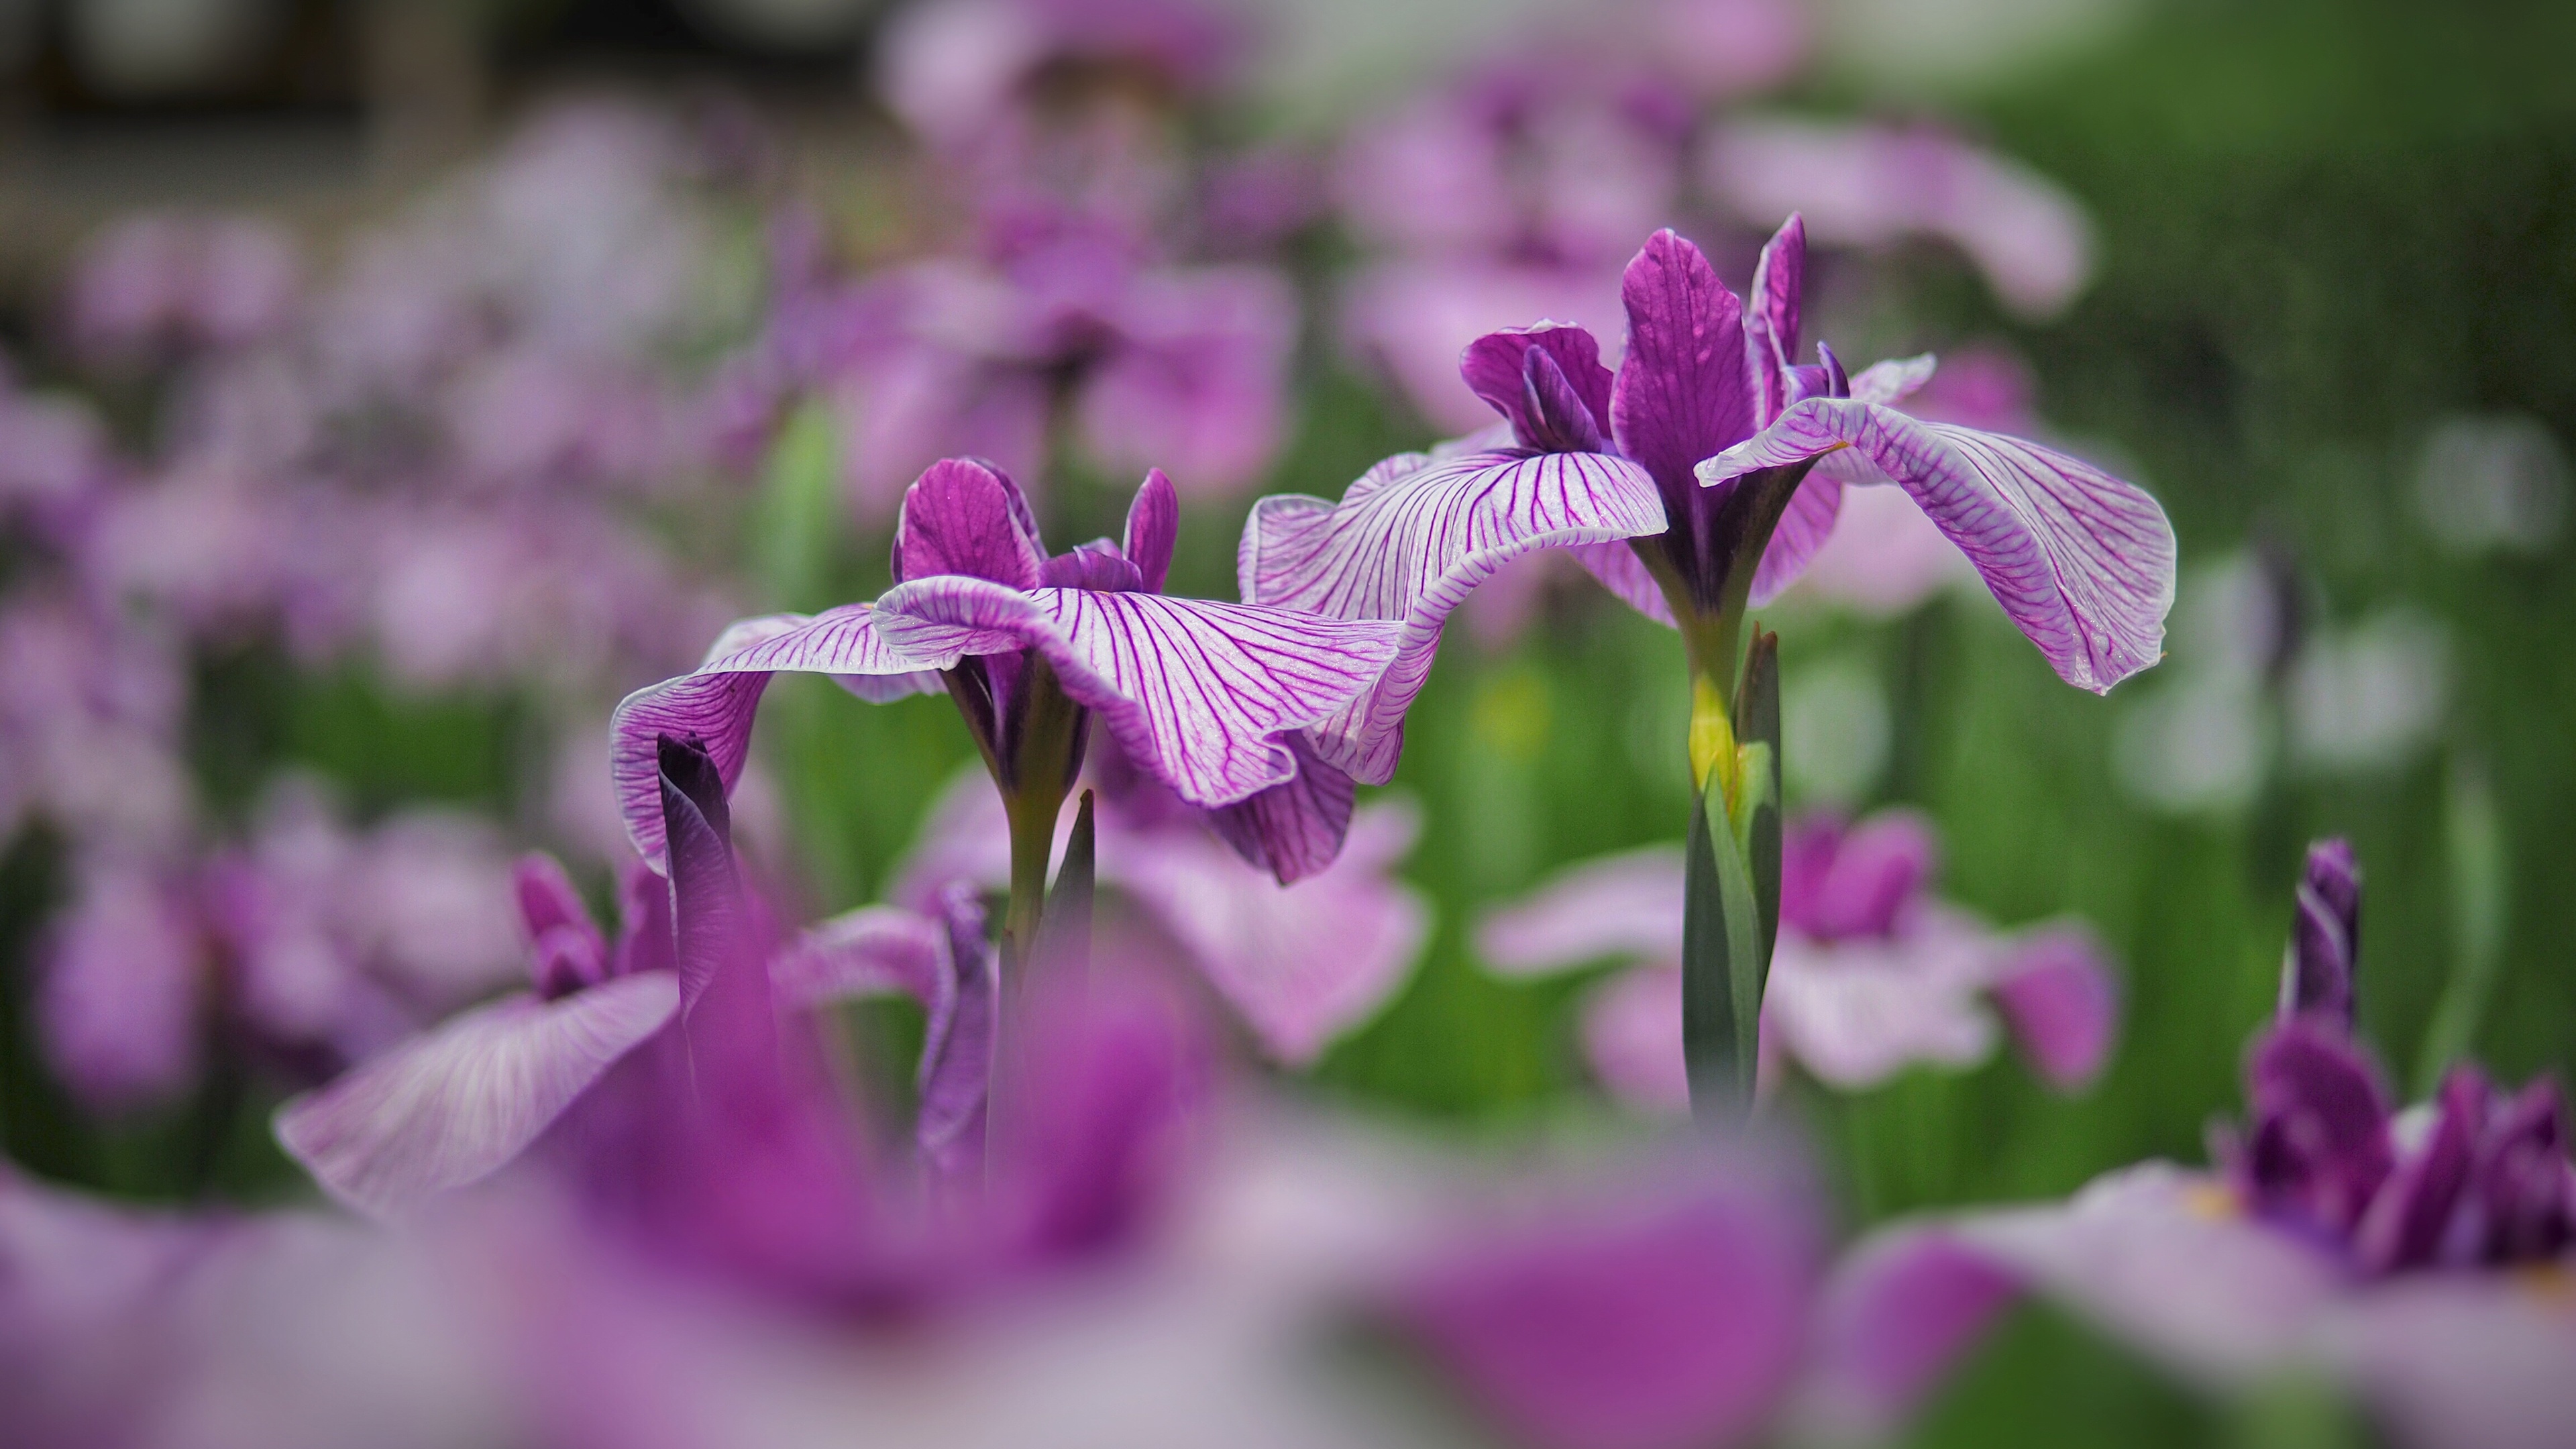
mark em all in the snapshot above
pixel 1407 543
pixel 1626 576
pixel 2160 1257
pixel 871 951
pixel 714 705
pixel 1771 317
pixel 1301 966
pixel 2060 1002
pixel 1153 525
pixel 1627 906
pixel 1292 830
pixel 965 516
pixel 1684 390
pixel 1632 1039
pixel 2081 561
pixel 456 1105
pixel 1194 691
pixel 1804 526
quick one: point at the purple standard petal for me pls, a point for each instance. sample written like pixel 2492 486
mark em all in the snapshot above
pixel 1153 526
pixel 1292 830
pixel 1627 906
pixel 726 1014
pixel 1667 1318
pixel 964 516
pixel 714 706
pixel 2058 998
pixel 2317 971
pixel 1684 391
pixel 1800 535
pixel 2319 1146
pixel 1408 541
pixel 454 1106
pixel 1194 691
pixel 1771 317
pixel 1546 380
pixel 569 951
pixel 2081 561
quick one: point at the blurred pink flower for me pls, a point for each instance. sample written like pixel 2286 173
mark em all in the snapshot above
pixel 166 282
pixel 1870 974
pixel 1869 185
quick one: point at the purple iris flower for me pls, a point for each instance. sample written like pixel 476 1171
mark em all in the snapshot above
pixel 1695 480
pixel 676 1083
pixel 1204 697
pixel 1872 973
pixel 2418 1258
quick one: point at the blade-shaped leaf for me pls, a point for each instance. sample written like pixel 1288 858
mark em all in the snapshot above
pixel 1064 936
pixel 1757 725
pixel 1720 938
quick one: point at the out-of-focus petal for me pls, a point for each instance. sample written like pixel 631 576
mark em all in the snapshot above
pixel 2325 938
pixel 1884 555
pixel 872 951
pixel 1627 905
pixel 1858 1012
pixel 2081 561
pixel 1865 879
pixel 956 1073
pixel 1200 383
pixel 1632 1037
pixel 458 1104
pixel 1666 1317
pixel 1302 966
pixel 1897 1316
pixel 2061 1003
pixel 1408 541
pixel 714 706
pixel 1195 691
pixel 2460 1361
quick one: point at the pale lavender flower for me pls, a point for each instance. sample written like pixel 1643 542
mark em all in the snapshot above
pixel 950 68
pixel 2415 1258
pixel 124 971
pixel 1868 186
pixel 1870 974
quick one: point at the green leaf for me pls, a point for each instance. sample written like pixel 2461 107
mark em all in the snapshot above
pixel 1757 726
pixel 1721 965
pixel 1064 937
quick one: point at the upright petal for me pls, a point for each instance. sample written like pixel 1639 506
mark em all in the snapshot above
pixel 1684 391
pixel 714 706
pixel 965 516
pixel 2318 969
pixel 1407 543
pixel 1771 316
pixel 454 1106
pixel 2081 561
pixel 1153 525
pixel 1498 368
pixel 1194 691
